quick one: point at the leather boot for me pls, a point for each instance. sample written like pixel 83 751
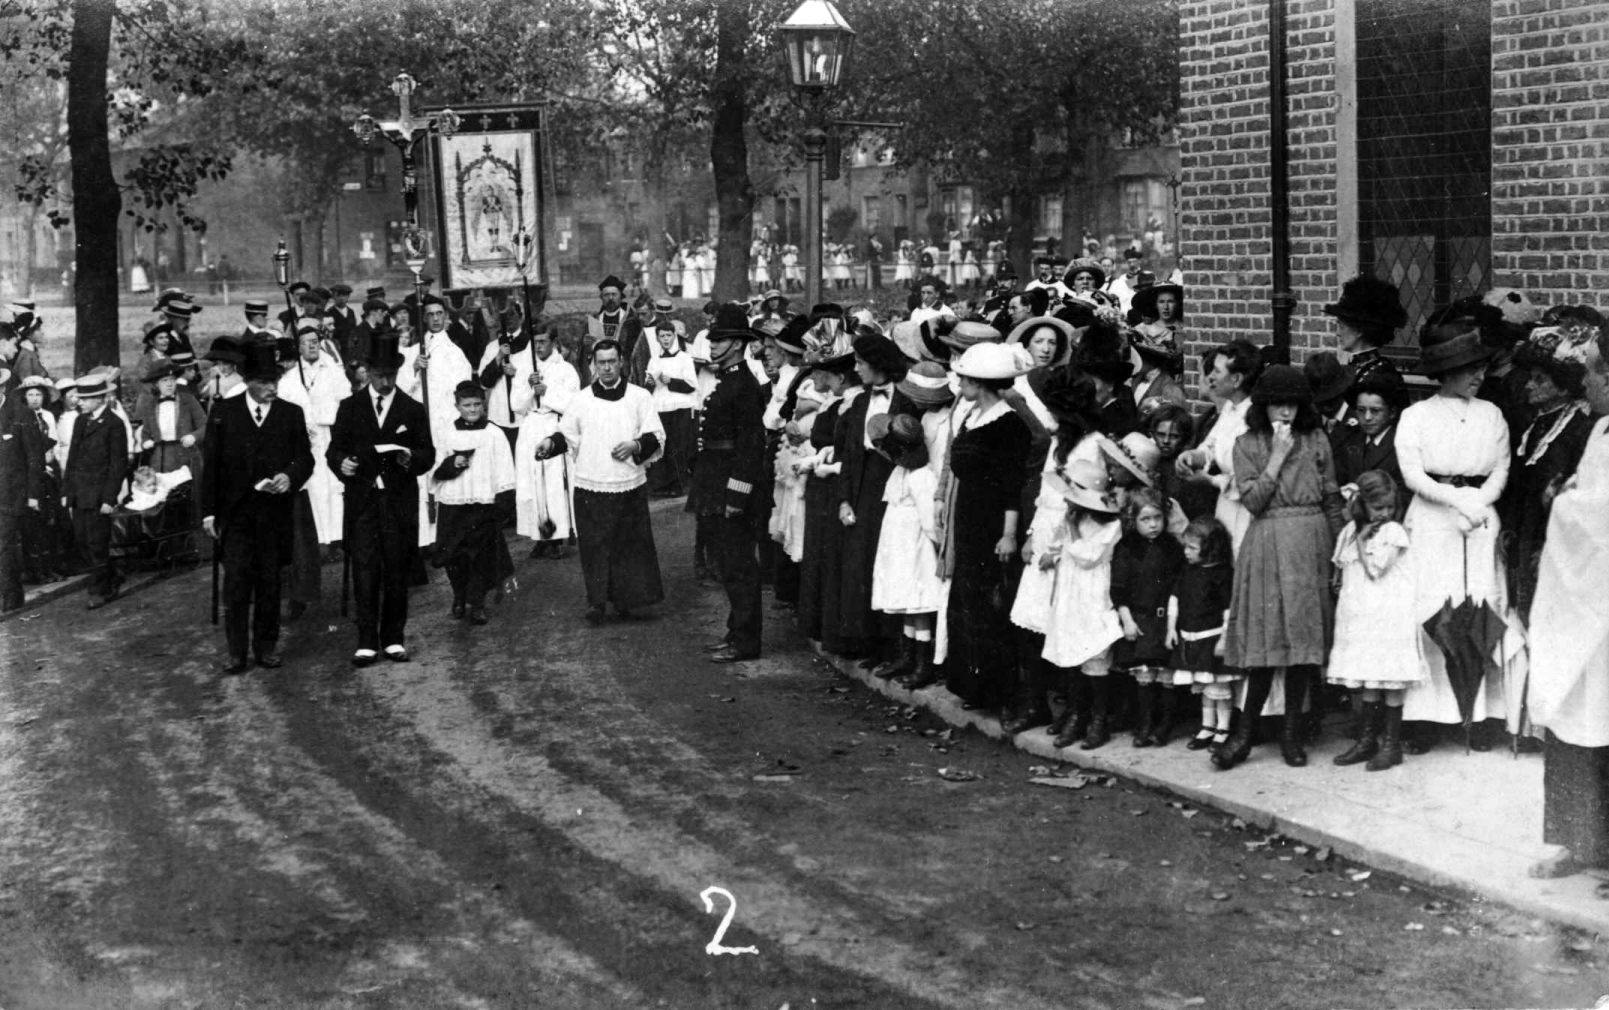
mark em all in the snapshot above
pixel 926 673
pixel 1290 735
pixel 1391 743
pixel 1238 747
pixel 1170 715
pixel 1076 715
pixel 1029 708
pixel 1368 742
pixel 1146 725
pixel 1100 689
pixel 902 665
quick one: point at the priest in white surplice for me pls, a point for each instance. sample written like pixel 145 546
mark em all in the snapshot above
pixel 431 371
pixel 612 433
pixel 542 494
pixel 318 384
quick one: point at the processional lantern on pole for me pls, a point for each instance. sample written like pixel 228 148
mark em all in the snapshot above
pixel 406 132
pixel 818 42
pixel 282 272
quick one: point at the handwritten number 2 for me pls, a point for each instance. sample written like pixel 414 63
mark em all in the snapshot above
pixel 715 946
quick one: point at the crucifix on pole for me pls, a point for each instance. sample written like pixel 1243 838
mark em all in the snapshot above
pixel 406 133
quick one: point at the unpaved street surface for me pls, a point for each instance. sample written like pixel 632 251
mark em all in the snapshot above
pixel 527 813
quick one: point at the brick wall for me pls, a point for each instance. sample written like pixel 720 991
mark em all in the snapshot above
pixel 1550 149
pixel 1224 202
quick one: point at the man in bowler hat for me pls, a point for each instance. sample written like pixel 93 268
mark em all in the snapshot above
pixel 257 456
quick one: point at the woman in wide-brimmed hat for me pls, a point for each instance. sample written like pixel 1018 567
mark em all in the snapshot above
pixel 1047 344
pixel 821 569
pixel 1282 613
pixel 987 459
pixel 1453 449
pixel 1550 448
pixel 1367 317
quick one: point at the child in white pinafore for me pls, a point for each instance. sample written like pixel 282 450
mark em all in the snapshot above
pixel 905 572
pixel 1083 623
pixel 788 495
pixel 1377 648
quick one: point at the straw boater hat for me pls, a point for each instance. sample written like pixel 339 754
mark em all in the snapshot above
pixel 778 295
pixel 65 383
pixel 1135 453
pixel 95 382
pixel 965 334
pixel 1022 332
pixel 927 385
pixel 1083 483
pixel 989 361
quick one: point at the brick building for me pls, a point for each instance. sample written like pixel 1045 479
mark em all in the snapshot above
pixel 1447 145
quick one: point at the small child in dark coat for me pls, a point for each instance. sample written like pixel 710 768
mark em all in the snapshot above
pixel 1144 567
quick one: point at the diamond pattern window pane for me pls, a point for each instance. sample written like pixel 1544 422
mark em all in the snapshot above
pixel 1424 148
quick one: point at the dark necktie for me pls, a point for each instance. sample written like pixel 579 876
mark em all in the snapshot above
pixel 164 399
pixel 259 415
pixel 379 409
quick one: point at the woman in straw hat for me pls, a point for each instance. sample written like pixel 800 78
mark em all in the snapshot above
pixel 987 462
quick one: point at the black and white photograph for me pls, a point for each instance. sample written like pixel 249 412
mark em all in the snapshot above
pixel 794 504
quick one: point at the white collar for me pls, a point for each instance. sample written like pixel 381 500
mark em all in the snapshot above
pixel 978 420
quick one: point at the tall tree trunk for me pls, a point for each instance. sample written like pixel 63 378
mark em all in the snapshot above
pixel 1022 219
pixel 97 204
pixel 729 152
pixel 30 251
pixel 181 251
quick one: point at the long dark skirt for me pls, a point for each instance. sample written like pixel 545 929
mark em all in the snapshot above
pixel 1575 800
pixel 859 625
pixel 821 567
pixel 470 545
pixel 618 560
pixel 982 664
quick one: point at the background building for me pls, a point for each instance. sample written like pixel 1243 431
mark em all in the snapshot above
pixel 1447 145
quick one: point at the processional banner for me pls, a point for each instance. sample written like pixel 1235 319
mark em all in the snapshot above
pixel 489 197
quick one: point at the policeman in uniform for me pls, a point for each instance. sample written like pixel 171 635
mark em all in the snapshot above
pixel 727 478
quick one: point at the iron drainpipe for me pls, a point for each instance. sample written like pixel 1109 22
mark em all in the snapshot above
pixel 1283 300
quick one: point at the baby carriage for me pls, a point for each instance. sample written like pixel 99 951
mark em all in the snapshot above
pixel 156 523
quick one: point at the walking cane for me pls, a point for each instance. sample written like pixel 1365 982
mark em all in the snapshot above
pixel 216 544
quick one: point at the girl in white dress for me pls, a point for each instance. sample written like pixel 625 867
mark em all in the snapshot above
pixel 905 572
pixel 1376 647
pixel 1084 624
pixel 970 273
pixel 788 502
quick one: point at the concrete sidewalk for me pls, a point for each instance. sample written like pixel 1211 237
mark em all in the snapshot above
pixel 1466 822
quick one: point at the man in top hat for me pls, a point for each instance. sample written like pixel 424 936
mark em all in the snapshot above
pixel 380 447
pixel 727 479
pixel 177 312
pixel 22 469
pixel 431 370
pixel 257 457
pixel 542 486
pixel 612 434
pixel 224 379
pixel 1367 317
pixel 97 464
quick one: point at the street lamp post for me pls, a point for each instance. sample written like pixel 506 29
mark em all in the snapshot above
pixel 406 132
pixel 282 273
pixel 818 42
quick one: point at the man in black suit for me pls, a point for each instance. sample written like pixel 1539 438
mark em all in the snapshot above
pixel 360 342
pixel 257 456
pixel 1368 439
pixel 97 462
pixel 382 499
pixel 22 469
